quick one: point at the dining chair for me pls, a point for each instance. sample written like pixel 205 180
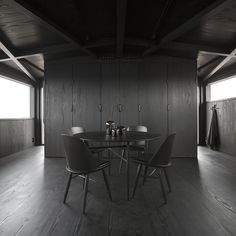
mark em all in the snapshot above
pixel 139 146
pixel 160 161
pixel 79 161
pixel 78 130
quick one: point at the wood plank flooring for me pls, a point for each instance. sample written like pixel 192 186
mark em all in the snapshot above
pixel 202 203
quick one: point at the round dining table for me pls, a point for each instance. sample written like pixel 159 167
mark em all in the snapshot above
pixel 124 140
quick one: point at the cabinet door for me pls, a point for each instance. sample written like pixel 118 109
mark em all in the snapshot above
pixel 129 94
pixel 58 106
pixel 182 91
pixel 110 93
pixel 86 96
pixel 153 99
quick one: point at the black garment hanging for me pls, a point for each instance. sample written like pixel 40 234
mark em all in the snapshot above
pixel 213 136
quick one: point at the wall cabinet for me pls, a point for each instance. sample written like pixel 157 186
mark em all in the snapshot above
pixel 159 95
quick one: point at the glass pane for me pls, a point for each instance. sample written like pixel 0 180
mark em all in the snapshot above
pixel 14 99
pixel 224 89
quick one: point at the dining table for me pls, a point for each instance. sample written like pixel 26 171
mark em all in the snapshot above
pixel 123 140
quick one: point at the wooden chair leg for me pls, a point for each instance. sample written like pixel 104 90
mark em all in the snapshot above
pixel 145 174
pixel 162 187
pixel 67 187
pixel 121 160
pixel 85 192
pixel 137 178
pixel 107 184
pixel 167 179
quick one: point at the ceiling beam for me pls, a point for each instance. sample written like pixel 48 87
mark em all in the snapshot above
pixel 16 61
pixel 162 16
pixel 121 8
pixel 44 50
pixel 220 65
pixel 215 53
pixel 189 24
pixel 27 10
pixel 191 46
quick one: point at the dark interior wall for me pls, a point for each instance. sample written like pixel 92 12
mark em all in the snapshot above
pixel 226 122
pixel 15 134
pixel 159 93
pixel 226 114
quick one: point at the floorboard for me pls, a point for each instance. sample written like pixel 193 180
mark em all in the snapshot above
pixel 202 201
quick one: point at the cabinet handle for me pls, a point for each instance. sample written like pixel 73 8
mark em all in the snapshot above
pixel 120 108
pixel 139 107
pixel 100 108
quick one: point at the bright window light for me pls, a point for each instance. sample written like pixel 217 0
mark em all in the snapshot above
pixel 223 89
pixel 14 99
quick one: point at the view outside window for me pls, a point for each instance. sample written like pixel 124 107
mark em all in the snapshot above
pixel 14 99
pixel 223 89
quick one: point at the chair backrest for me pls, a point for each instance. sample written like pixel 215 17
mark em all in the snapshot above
pixel 76 130
pixel 139 128
pixel 78 156
pixel 163 155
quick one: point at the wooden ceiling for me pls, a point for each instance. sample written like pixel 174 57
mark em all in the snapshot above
pixel 31 31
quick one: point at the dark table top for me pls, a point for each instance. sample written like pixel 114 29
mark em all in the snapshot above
pixel 130 136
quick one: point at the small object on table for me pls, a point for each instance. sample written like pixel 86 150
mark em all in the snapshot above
pixel 110 124
pixel 120 130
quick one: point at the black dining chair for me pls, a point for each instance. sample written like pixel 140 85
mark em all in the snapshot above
pixel 160 161
pixel 80 161
pixel 138 146
pixel 75 130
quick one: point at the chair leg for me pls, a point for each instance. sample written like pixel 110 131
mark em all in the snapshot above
pixel 85 192
pixel 109 159
pixel 67 187
pixel 167 179
pixel 162 187
pixel 107 184
pixel 145 174
pixel 83 181
pixel 137 178
pixel 121 160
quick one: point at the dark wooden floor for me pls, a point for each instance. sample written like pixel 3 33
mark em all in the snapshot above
pixel 203 201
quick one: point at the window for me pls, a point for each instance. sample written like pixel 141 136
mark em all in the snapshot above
pixel 223 90
pixel 14 99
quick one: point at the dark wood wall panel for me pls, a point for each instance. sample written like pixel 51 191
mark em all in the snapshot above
pixel 128 94
pixel 58 106
pixel 15 135
pixel 86 96
pixel 226 122
pixel 182 114
pixel 110 92
pixel 153 99
pixel 120 87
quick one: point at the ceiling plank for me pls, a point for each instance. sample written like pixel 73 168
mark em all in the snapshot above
pixel 29 63
pixel 220 65
pixel 48 24
pixel 16 61
pixel 189 24
pixel 121 8
pixel 208 63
